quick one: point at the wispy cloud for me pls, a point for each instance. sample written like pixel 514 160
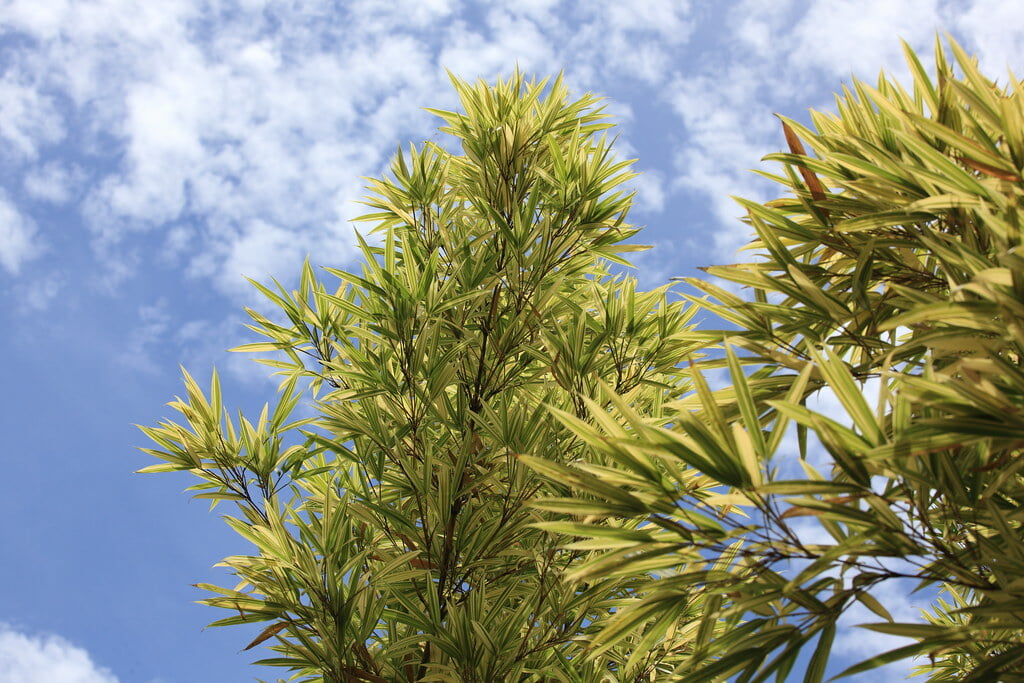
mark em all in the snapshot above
pixel 854 644
pixel 780 55
pixel 19 241
pixel 28 117
pixel 54 182
pixel 252 125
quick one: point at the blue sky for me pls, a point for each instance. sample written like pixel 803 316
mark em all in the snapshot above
pixel 153 154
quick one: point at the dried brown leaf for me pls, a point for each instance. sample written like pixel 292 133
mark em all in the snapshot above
pixel 266 634
pixel 989 170
pixel 797 147
pixel 801 511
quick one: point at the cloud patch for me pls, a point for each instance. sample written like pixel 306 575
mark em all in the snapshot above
pixel 779 58
pixel 249 124
pixel 48 658
pixel 18 236
pixel 53 182
pixel 28 117
pixel 245 125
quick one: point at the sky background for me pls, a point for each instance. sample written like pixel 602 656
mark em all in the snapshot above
pixel 152 154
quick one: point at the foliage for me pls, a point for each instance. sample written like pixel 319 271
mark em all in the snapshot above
pixel 393 535
pixel 892 279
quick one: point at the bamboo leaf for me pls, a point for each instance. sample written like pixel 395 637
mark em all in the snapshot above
pixel 267 634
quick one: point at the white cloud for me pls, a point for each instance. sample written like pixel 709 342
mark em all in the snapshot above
pixel 511 39
pixel 756 23
pixel 203 344
pixel 28 117
pixel 267 117
pixel 247 125
pixel 841 38
pixel 724 119
pixel 810 532
pixel 18 240
pixel 996 32
pixel 34 294
pixel 54 182
pixel 781 52
pixel 219 114
pixel 415 13
pixel 46 658
pixel 636 40
pixel 153 326
pixel 41 18
pixel 855 644
pixel 827 403
pixel 254 252
pixel 650 192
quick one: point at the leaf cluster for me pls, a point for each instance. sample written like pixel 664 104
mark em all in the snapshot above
pixel 392 532
pixel 889 278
